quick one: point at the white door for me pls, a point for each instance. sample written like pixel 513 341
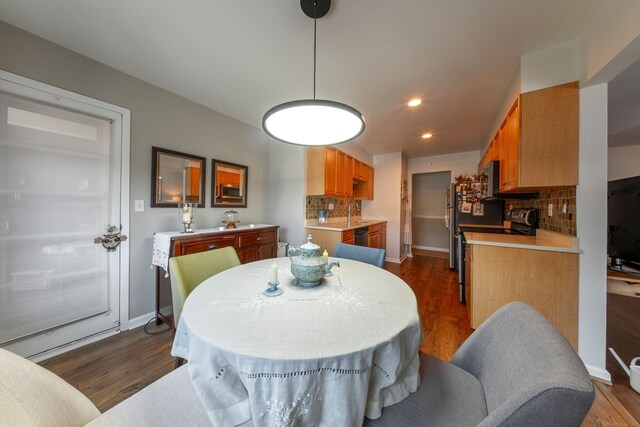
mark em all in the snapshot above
pixel 60 188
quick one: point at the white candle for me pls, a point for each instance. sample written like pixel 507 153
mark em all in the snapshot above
pixel 186 215
pixel 325 255
pixel 273 273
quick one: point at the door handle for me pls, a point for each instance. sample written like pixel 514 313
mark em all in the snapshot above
pixel 111 239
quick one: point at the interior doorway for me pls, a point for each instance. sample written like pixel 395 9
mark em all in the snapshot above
pixel 428 209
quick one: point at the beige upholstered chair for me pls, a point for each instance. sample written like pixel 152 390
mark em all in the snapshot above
pixel 30 395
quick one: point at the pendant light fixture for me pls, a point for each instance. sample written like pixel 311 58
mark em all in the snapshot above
pixel 313 121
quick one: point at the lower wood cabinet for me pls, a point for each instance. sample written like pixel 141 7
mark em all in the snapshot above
pixel 378 236
pixel 257 246
pixel 250 244
pixel 327 239
pixel 546 280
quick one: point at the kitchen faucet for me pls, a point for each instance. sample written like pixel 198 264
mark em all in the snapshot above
pixel 349 211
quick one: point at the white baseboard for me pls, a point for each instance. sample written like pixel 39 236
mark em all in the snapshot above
pixel 600 373
pixel 430 248
pixel 394 260
pixel 73 345
pixel 140 320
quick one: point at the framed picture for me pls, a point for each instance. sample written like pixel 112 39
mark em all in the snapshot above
pixel 176 177
pixel 228 184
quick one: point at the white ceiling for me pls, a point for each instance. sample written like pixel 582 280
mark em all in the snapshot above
pixel 243 57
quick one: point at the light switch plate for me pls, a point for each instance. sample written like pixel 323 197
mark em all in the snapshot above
pixel 330 206
pixel 139 206
pixel 550 209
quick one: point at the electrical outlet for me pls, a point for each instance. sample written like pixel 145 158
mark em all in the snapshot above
pixel 330 206
pixel 550 209
pixel 139 206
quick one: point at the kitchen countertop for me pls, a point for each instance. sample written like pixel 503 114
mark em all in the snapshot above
pixel 542 241
pixel 343 226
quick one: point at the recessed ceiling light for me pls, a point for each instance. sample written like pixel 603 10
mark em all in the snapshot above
pixel 414 102
pixel 427 135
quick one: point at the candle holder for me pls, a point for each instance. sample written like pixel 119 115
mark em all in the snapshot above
pixel 273 290
pixel 187 213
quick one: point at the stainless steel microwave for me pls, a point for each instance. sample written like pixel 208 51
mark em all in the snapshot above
pixel 491 191
pixel 230 191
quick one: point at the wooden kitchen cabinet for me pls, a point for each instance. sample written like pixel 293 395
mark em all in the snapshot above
pixel 546 280
pixel 509 142
pixel 359 170
pixel 363 190
pixel 348 237
pixel 538 141
pixel 344 175
pixel 378 236
pixel 468 279
pixel 331 172
pixel 328 239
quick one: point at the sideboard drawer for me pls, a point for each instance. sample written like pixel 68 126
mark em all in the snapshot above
pixel 204 244
pixel 257 239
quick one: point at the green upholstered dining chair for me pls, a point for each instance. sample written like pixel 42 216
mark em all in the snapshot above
pixel 188 271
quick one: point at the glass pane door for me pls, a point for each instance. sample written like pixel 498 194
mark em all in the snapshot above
pixel 55 197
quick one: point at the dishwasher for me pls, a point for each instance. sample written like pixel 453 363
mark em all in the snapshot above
pixel 361 236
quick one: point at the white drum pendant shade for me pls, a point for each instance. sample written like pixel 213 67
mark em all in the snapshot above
pixel 313 122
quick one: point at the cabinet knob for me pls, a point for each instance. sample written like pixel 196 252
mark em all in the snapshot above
pixel 259 238
pixel 212 246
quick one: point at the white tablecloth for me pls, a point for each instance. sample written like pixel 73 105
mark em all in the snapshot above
pixel 324 356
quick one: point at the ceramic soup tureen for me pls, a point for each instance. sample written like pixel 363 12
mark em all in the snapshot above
pixel 309 267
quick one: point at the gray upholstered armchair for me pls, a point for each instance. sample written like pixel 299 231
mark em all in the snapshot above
pixel 516 369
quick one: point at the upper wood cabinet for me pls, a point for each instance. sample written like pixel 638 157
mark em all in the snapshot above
pixel 359 170
pixel 331 172
pixel 538 141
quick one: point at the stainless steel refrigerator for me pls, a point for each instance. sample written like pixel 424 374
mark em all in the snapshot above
pixel 464 206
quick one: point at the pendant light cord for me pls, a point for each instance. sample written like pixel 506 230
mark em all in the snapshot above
pixel 315 20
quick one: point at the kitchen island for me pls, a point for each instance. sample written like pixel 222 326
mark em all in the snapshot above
pixel 540 270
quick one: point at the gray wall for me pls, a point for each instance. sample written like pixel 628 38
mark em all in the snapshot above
pixel 287 172
pixel 158 118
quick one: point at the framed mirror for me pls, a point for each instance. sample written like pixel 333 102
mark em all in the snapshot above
pixel 229 184
pixel 176 177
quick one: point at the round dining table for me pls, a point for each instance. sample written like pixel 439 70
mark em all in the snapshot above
pixel 323 356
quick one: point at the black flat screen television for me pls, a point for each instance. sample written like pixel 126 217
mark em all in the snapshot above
pixel 623 221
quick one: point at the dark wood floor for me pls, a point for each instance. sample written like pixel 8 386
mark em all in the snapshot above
pixel 109 371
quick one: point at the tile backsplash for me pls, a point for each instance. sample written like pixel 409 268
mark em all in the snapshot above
pixel 340 205
pixel 559 222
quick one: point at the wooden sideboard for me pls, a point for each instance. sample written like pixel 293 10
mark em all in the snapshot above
pixel 251 244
